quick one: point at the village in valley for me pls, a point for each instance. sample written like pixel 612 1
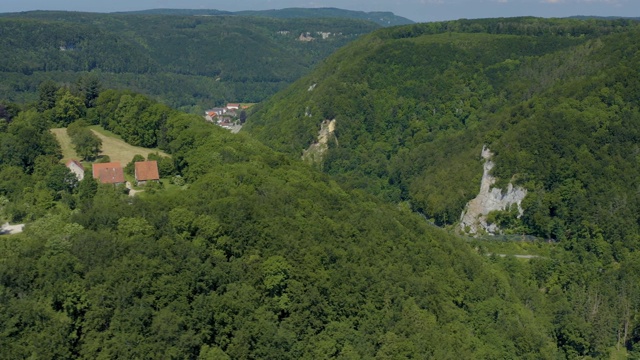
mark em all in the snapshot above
pixel 230 117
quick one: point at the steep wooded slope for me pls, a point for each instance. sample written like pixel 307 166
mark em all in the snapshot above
pixel 259 256
pixel 556 100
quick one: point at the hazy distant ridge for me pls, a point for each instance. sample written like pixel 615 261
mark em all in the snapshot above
pixel 381 18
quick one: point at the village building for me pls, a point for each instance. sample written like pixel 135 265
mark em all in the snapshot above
pixel 109 173
pixel 218 111
pixel 146 171
pixel 76 168
pixel 231 117
pixel 211 114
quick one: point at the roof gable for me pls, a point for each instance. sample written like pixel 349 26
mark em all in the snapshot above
pixel 109 173
pixel 147 170
pixel 74 162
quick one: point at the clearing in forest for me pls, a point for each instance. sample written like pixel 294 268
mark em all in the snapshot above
pixel 112 146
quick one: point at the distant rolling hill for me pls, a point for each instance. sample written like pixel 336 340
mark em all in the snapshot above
pixel 381 18
pixel 187 62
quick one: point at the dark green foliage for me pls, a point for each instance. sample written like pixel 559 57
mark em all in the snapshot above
pixel 130 168
pixel 193 63
pixel 259 257
pixel 134 117
pixel 86 144
pixel 166 167
pixel 60 179
pixel 87 188
pixel 47 91
pixel 556 101
pixel 26 138
pixel 88 88
pixel 381 18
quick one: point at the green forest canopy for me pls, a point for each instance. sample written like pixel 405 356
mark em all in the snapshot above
pixel 556 100
pixel 262 256
pixel 189 62
pixel 379 17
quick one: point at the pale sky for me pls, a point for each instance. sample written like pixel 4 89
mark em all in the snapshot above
pixel 416 10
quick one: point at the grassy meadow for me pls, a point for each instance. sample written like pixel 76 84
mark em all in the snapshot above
pixel 112 146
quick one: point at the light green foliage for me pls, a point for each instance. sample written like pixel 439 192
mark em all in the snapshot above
pixel 275 274
pixel 134 227
pixel 212 353
pixel 181 220
pixel 68 108
pixel 177 180
pixel 86 144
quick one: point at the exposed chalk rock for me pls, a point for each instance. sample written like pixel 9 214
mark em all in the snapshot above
pixel 474 217
pixel 315 152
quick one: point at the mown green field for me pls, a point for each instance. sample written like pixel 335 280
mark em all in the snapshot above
pixel 112 146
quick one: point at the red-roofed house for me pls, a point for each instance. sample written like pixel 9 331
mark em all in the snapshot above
pixel 108 173
pixel 146 171
pixel 76 168
pixel 232 106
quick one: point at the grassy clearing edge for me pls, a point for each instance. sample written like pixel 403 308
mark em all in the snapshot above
pixel 112 145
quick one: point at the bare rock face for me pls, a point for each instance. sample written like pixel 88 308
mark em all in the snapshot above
pixel 315 152
pixel 305 37
pixel 474 218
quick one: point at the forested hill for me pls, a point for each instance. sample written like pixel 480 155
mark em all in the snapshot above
pixel 379 17
pixel 188 62
pixel 556 100
pixel 258 256
pixel 245 252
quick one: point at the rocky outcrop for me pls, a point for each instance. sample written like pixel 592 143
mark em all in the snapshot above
pixel 315 152
pixel 305 37
pixel 474 218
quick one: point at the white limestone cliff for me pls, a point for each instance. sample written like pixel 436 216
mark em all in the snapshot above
pixel 315 152
pixel 474 217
